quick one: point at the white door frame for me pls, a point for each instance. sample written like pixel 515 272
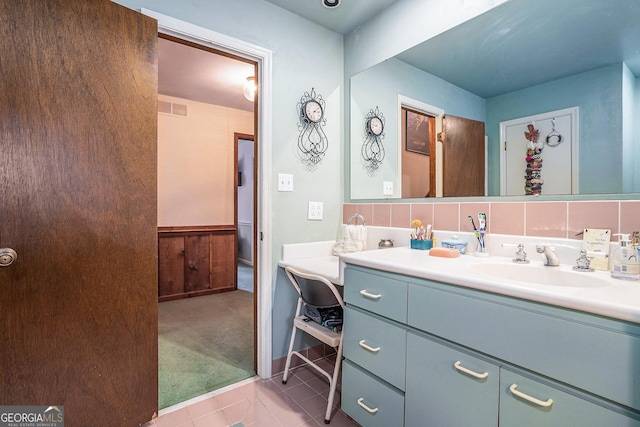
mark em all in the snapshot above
pixel 431 110
pixel 186 31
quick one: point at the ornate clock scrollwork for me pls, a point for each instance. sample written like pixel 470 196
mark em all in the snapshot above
pixel 372 148
pixel 312 141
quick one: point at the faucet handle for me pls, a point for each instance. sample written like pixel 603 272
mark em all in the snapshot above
pixel 583 263
pixel 521 256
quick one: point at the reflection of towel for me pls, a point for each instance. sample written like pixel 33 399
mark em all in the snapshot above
pixel 355 238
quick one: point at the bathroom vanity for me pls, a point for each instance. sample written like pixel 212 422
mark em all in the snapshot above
pixel 443 342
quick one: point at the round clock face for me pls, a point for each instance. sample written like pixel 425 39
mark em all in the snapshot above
pixel 375 126
pixel 313 111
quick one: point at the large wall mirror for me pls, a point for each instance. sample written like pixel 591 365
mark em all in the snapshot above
pixel 522 58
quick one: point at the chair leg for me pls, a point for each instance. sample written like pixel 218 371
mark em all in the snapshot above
pixel 334 383
pixel 289 354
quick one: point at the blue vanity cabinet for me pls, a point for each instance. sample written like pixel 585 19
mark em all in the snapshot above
pixel 474 358
pixel 448 387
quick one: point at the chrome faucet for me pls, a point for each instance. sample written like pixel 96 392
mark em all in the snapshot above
pixel 550 258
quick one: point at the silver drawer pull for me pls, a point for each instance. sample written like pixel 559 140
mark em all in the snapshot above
pixel 366 408
pixel 461 368
pixel 368 295
pixel 366 347
pixel 521 395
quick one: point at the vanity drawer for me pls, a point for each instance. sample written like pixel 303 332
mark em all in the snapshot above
pixel 376 345
pixel 601 356
pixel 526 402
pixel 376 293
pixel 369 401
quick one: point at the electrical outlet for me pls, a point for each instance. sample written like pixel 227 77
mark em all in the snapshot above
pixel 315 211
pixel 285 182
pixel 387 188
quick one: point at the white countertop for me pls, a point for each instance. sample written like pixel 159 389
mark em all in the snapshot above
pixel 325 266
pixel 619 299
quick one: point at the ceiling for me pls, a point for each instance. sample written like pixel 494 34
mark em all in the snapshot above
pixel 517 44
pixel 198 75
pixel 345 18
pixel 522 43
pixel 190 73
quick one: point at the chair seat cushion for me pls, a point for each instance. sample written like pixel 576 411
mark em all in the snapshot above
pixel 318 331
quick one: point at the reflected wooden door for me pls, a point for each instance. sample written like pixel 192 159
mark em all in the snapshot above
pixel 78 118
pixel 463 157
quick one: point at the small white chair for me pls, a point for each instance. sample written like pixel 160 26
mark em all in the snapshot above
pixel 319 292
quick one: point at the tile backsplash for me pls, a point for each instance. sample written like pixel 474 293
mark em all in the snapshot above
pixel 547 219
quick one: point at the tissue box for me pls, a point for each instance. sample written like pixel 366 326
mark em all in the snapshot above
pixel 460 245
pixel 421 244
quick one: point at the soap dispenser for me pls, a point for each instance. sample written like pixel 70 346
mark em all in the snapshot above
pixel 624 262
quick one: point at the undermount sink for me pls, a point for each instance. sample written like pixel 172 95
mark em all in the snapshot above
pixel 539 274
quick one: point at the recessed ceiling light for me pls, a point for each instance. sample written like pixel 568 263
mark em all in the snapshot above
pixel 331 3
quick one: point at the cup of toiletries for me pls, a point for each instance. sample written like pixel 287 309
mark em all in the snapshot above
pixel 423 237
pixel 624 261
pixel 480 233
pixel 421 244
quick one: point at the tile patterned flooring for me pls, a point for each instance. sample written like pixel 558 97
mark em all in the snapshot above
pixel 264 403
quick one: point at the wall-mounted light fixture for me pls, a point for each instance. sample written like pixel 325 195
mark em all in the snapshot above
pixel 249 89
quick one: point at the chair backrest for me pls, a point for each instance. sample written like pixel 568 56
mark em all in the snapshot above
pixel 314 290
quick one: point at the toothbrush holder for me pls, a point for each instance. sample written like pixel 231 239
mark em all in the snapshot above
pixel 423 245
pixel 481 246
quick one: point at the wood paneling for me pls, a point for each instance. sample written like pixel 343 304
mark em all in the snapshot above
pixel 78 122
pixel 223 266
pixel 171 265
pixel 196 258
pixel 196 261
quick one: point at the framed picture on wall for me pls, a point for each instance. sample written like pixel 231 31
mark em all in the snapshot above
pixel 419 129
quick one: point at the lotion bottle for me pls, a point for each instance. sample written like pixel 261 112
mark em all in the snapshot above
pixel 624 262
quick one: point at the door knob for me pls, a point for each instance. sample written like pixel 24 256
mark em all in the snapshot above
pixel 7 256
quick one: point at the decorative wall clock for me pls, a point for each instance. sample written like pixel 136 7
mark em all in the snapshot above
pixel 312 141
pixel 372 148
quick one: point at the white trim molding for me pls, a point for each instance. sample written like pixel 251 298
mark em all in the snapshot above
pixel 264 57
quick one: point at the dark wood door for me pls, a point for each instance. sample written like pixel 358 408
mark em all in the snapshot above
pixel 463 157
pixel 78 316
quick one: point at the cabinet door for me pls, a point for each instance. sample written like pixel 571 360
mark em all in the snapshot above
pixel 223 261
pixel 447 387
pixel 526 402
pixel 197 264
pixel 170 265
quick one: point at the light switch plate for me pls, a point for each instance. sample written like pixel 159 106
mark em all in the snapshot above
pixel 315 211
pixel 285 182
pixel 387 188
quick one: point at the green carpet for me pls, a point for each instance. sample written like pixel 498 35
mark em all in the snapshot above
pixel 204 343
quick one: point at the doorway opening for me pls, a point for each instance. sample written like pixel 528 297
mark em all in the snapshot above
pixel 207 322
